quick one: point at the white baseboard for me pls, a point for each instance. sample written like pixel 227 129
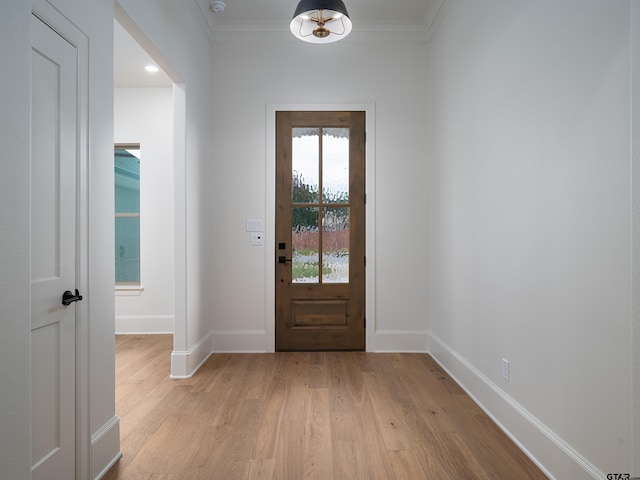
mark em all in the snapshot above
pixel 105 448
pixel 144 324
pixel 554 456
pixel 185 363
pixel 408 341
pixel 239 341
pixel 255 341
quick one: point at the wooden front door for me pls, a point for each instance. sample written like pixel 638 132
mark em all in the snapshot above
pixel 320 231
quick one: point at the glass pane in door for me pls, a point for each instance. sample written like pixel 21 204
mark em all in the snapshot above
pixel 335 245
pixel 305 169
pixel 305 242
pixel 335 165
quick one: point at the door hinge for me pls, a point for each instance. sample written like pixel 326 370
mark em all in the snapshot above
pixel 365 323
pixel 365 260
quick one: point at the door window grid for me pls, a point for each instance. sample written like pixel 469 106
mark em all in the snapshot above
pixel 320 223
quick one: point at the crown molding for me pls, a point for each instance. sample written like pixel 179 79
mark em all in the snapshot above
pixel 220 31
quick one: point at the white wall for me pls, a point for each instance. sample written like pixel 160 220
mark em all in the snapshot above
pixel 249 77
pixel 529 221
pixel 145 116
pixel 635 117
pixel 97 423
pixel 14 240
pixel 172 31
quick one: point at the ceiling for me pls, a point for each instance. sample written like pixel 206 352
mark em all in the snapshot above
pixel 129 60
pixel 253 16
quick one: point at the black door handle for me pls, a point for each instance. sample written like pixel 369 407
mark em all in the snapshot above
pixel 68 298
pixel 282 259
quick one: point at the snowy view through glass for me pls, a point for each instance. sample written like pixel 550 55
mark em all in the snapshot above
pixel 320 223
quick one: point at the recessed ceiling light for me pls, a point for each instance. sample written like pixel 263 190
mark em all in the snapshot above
pixel 151 68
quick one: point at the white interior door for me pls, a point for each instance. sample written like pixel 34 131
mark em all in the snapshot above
pixel 54 154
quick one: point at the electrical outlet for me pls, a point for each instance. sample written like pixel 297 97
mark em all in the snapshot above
pixel 505 369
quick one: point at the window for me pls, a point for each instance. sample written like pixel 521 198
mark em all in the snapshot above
pixel 127 214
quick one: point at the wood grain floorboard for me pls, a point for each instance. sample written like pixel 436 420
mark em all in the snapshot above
pixel 302 416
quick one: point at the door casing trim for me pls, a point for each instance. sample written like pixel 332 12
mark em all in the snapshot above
pixel 270 222
pixel 49 15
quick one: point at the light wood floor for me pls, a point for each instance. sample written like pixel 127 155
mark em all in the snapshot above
pixel 295 416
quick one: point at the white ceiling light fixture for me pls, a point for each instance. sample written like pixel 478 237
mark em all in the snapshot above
pixel 151 68
pixel 320 21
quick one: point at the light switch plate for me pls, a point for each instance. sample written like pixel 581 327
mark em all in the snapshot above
pixel 255 225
